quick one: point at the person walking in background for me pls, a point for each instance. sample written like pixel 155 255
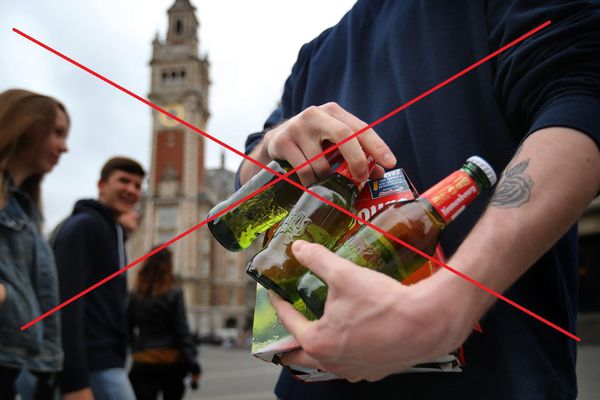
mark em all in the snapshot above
pixel 89 246
pixel 163 349
pixel 33 136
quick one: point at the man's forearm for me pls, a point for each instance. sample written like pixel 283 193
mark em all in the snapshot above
pixel 542 193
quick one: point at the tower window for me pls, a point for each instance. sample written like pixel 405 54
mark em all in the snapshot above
pixel 167 217
pixel 171 139
pixel 178 27
pixel 170 76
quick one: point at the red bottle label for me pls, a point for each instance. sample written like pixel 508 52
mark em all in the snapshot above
pixel 450 196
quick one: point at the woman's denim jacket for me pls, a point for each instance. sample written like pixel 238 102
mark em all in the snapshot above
pixel 28 273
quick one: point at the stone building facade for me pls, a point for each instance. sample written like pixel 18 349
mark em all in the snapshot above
pixel 180 190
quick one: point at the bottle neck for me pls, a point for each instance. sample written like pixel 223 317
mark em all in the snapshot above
pixel 449 197
pixel 280 164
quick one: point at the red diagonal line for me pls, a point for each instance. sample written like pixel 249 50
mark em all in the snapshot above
pixel 454 77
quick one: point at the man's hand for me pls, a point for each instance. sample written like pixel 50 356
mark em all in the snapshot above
pixel 82 394
pixel 300 139
pixel 373 326
pixel 128 220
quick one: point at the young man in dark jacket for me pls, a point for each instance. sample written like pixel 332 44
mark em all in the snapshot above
pixel 89 246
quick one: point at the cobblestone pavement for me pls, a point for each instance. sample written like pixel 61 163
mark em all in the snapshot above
pixel 233 374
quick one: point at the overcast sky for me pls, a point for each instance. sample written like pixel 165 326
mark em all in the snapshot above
pixel 251 46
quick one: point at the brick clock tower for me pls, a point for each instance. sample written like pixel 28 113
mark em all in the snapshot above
pixel 180 84
pixel 180 191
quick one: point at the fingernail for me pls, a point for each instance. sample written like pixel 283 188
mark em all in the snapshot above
pixel 299 245
pixel 389 159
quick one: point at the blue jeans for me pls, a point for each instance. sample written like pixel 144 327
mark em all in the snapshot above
pixel 111 384
pixel 26 386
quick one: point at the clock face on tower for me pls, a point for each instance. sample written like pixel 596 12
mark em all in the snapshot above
pixel 175 109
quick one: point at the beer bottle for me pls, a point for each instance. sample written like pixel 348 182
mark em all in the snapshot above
pixel 312 220
pixel 417 223
pixel 239 227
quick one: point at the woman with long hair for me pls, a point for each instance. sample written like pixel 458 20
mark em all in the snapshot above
pixel 163 350
pixel 33 134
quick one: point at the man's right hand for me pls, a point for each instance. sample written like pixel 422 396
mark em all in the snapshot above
pixel 82 394
pixel 300 139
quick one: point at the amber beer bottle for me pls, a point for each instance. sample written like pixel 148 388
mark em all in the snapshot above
pixel 239 227
pixel 417 223
pixel 312 220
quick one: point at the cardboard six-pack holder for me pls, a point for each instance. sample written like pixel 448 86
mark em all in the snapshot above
pixel 270 338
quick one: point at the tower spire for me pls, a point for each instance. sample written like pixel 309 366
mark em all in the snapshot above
pixel 183 24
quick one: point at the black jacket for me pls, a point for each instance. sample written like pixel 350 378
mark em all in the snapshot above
pixel 160 322
pixel 88 247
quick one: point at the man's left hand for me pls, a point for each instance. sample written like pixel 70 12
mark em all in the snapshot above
pixel 129 220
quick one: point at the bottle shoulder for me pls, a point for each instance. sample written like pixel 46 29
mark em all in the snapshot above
pixel 400 213
pixel 337 194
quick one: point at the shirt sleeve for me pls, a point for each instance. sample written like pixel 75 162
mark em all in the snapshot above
pixel 288 107
pixel 254 139
pixel 553 77
pixel 71 247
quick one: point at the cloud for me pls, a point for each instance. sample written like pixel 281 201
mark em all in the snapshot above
pixel 251 47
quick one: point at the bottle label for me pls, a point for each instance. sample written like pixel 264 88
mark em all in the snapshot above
pixel 450 196
pixel 368 248
pixel 394 187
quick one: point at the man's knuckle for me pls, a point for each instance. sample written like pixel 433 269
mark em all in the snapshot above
pixel 341 132
pixel 334 274
pixel 319 349
pixel 308 113
pixel 312 348
pixel 305 174
pixel 331 107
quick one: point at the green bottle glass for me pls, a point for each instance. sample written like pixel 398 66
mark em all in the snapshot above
pixel 238 228
pixel 417 223
pixel 312 220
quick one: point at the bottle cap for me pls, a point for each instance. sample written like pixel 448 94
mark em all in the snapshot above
pixel 344 170
pixel 485 167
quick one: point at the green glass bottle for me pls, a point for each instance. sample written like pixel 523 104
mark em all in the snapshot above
pixel 238 228
pixel 312 220
pixel 417 223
